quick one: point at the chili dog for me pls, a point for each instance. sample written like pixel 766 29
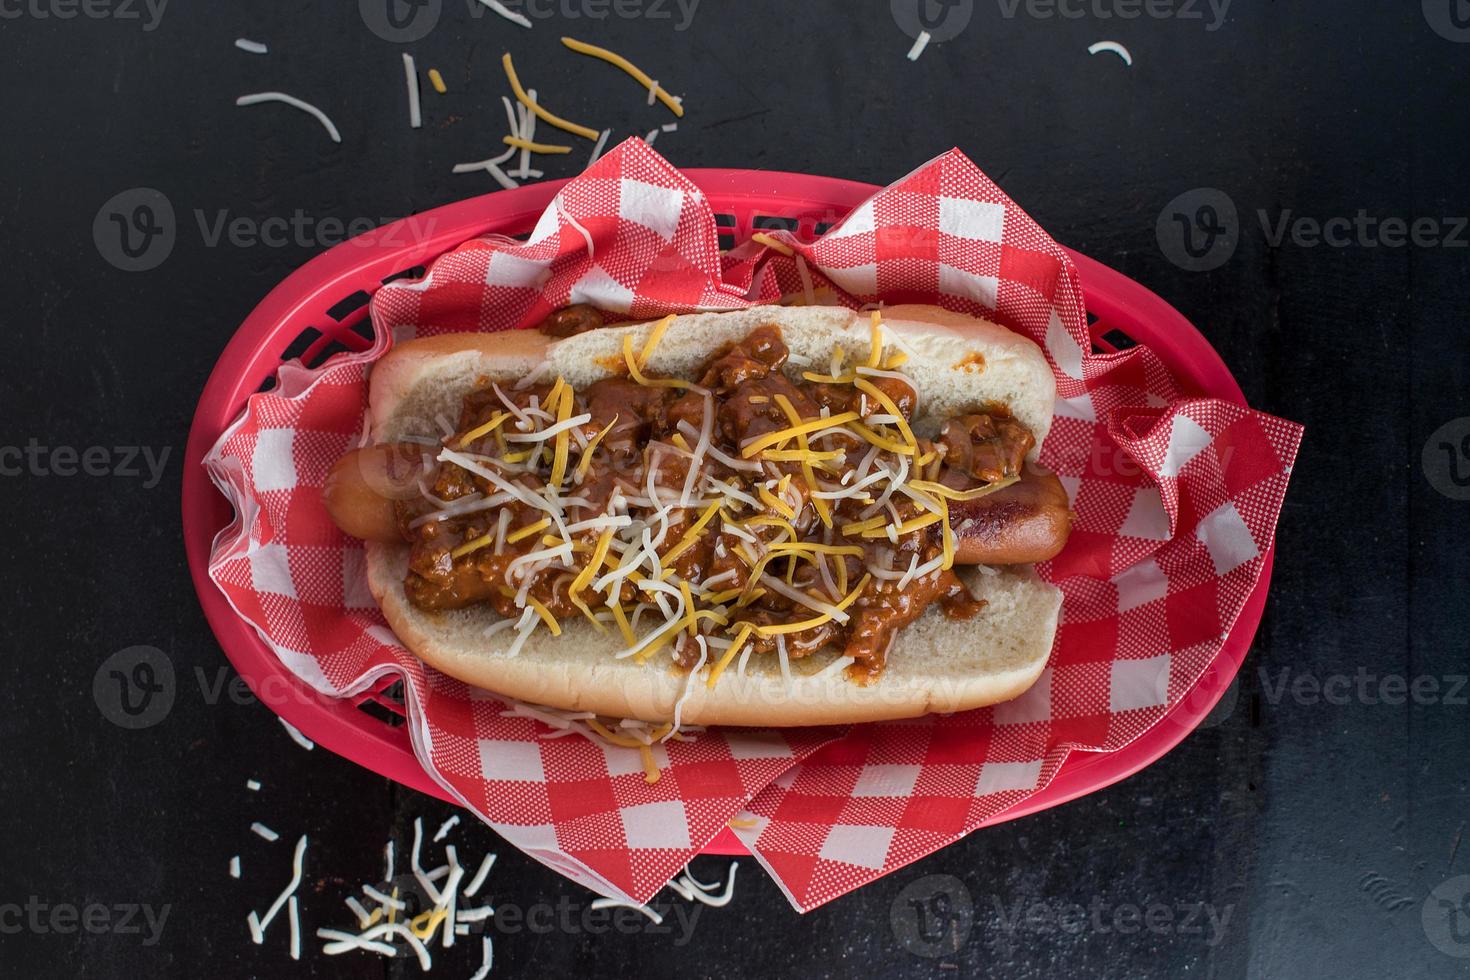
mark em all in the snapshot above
pixel 727 512
pixel 1021 523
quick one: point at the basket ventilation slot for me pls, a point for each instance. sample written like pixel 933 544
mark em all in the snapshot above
pixel 345 308
pixel 301 344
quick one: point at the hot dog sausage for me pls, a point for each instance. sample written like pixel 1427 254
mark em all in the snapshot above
pixel 360 489
pixel 1023 523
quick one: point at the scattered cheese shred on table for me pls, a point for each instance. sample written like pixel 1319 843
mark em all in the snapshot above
pixel 445 828
pixel 597 149
pixel 294 919
pixel 694 891
pixel 381 929
pixel 545 114
pixel 411 79
pixel 389 931
pixel 487 957
pixel 251 47
pixel 437 80
pixel 508 14
pixel 516 141
pixel 1112 47
pixel 920 43
pixel 258 98
pixel 296 735
pixel 259 924
pixel 613 903
pixel 479 879
pixel 492 167
pixel 582 47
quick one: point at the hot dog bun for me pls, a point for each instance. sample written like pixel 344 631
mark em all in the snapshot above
pixel 937 664
pixel 957 363
pixel 960 363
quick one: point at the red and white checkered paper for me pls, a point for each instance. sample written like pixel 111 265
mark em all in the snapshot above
pixel 1176 502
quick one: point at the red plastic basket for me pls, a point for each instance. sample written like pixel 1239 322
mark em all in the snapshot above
pixel 321 309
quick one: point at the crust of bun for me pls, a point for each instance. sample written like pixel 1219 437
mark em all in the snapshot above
pixel 937 664
pixel 958 363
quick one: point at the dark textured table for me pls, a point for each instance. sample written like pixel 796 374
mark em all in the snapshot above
pixel 1313 828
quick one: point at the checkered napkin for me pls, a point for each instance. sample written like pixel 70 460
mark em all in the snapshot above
pixel 1176 501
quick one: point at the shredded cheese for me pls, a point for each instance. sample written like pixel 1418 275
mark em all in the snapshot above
pixel 766 520
pixel 741 636
pixel 594 564
pixel 544 114
pixel 776 503
pixel 411 79
pixel 622 621
pixel 815 425
pixel 920 43
pixel 651 772
pixel 586 461
pixel 637 373
pixel 773 244
pixel 792 416
pixel 563 438
pixel 582 47
pixel 859 527
pixel 480 432
pixel 829 379
pixel 950 493
pixel 691 619
pixel 872 390
pixel 654 336
pixel 257 98
pixel 802 455
pixel 692 535
pixel 875 344
pixel 507 13
pixel 781 629
pixel 907 527
pixel 882 442
pixel 946 537
pixel 810 547
pixel 527 531
pixel 518 143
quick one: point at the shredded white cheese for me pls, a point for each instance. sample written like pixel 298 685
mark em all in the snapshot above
pixel 293 916
pixel 411 79
pixel 445 828
pixel 257 98
pixel 920 43
pixel 487 959
pixel 597 147
pixel 296 735
pixel 259 924
pixel 510 15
